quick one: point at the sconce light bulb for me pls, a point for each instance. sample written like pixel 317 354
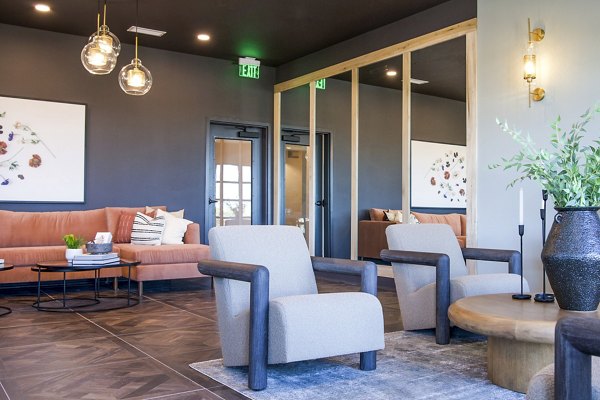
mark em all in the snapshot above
pixel 529 72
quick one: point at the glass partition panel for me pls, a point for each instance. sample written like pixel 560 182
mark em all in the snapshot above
pixel 233 183
pixel 380 139
pixel 438 126
pixel 294 146
pixel 332 153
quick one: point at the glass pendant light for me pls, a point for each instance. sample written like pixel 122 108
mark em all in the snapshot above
pixel 99 56
pixel 134 78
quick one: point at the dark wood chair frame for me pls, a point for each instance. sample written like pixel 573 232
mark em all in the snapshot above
pixel 258 276
pixel 441 262
pixel 576 340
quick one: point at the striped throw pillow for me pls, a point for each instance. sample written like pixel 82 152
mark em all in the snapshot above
pixel 146 230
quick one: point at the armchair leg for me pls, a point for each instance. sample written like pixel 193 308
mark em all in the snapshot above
pixel 259 329
pixel 368 360
pixel 442 300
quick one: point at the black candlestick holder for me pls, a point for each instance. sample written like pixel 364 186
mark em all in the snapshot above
pixel 544 297
pixel 521 296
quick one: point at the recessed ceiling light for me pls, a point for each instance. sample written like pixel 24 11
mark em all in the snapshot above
pixel 203 37
pixel 391 72
pixel 146 31
pixel 42 7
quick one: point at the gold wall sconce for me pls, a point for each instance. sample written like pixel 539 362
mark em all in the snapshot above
pixel 529 62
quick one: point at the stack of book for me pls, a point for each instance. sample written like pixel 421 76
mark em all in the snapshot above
pixel 95 259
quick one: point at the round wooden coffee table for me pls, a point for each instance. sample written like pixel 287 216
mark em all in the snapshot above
pixel 520 334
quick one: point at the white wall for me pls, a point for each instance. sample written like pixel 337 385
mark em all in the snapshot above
pixel 568 69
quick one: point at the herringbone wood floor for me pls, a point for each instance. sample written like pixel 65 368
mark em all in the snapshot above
pixel 140 352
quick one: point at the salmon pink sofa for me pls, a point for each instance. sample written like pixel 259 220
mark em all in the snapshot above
pixel 27 238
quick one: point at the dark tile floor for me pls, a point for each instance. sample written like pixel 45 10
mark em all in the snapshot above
pixel 142 352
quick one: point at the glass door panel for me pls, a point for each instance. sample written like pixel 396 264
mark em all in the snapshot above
pixel 233 182
pixel 296 188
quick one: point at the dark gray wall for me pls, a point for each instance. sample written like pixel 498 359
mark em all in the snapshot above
pixel 446 14
pixel 151 149
pixel 380 144
pixel 139 150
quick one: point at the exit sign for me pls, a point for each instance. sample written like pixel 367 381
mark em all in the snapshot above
pixel 249 71
pixel 320 84
pixel 249 68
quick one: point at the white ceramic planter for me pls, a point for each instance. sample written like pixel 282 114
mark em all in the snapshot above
pixel 70 253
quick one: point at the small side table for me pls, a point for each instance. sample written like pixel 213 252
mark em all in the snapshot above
pixel 5 310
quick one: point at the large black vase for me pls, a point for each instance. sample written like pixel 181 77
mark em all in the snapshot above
pixel 572 258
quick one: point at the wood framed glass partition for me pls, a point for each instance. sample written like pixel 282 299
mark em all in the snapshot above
pixel 404 50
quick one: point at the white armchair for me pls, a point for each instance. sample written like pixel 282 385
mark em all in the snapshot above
pixel 430 273
pixel 268 307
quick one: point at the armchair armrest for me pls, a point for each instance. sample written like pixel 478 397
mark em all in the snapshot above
pixel 365 269
pixel 441 262
pixel 576 341
pixel 232 270
pixel 413 257
pixel 258 276
pixel 512 257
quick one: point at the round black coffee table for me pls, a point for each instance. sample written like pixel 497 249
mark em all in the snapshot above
pixel 78 304
pixel 5 310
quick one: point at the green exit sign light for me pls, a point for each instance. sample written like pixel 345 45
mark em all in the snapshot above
pixel 320 84
pixel 249 68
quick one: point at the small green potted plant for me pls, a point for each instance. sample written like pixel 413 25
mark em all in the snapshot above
pixel 74 244
pixel 570 171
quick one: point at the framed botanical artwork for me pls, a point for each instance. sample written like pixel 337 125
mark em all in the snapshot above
pixel 42 151
pixel 438 175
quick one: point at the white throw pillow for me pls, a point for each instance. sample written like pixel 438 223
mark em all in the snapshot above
pixel 396 216
pixel 146 230
pixel 174 228
pixel 152 211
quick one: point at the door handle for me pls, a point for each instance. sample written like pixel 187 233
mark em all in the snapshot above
pixel 321 203
pixel 211 201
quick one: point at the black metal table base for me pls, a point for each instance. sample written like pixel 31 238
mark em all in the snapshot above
pixel 7 310
pixel 69 304
pixel 64 304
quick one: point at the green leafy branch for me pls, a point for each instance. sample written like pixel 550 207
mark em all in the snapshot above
pixel 569 171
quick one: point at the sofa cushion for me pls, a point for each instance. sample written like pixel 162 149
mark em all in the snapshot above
pixel 377 214
pixel 151 211
pixel 449 219
pixel 165 254
pixel 114 213
pixel 146 230
pixel 19 256
pixel 20 229
pixel 29 256
pixel 124 227
pixel 175 227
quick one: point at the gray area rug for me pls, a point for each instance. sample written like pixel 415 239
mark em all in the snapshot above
pixel 411 366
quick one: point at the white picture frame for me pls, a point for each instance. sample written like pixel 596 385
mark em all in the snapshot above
pixel 42 151
pixel 438 175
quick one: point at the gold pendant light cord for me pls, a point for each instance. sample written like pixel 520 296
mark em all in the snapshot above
pixel 98 20
pixel 137 11
pixel 104 21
